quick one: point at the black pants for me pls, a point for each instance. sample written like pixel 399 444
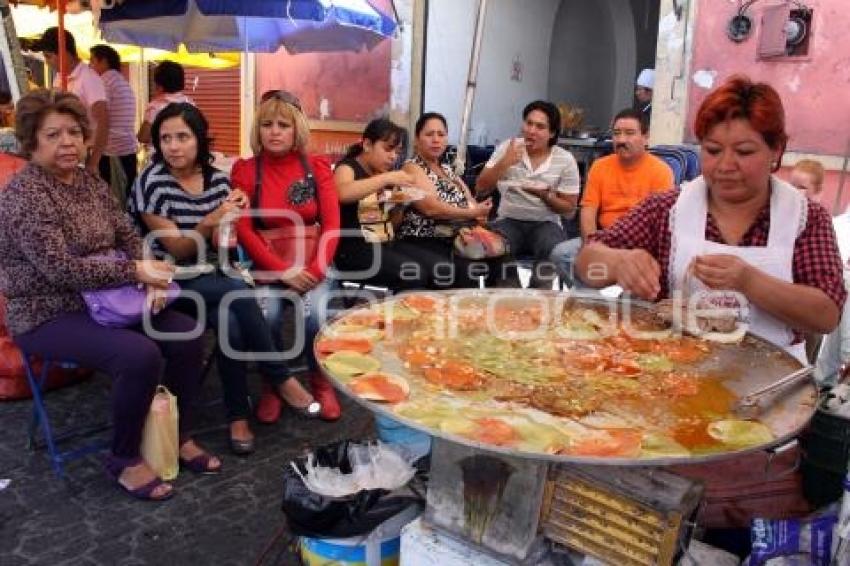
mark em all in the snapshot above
pixel 247 333
pixel 434 259
pixel 379 264
pixel 129 163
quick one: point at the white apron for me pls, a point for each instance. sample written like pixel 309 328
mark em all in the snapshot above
pixel 788 212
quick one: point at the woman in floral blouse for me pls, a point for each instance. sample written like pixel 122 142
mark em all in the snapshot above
pixel 429 225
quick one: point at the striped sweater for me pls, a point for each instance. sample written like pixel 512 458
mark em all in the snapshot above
pixel 157 192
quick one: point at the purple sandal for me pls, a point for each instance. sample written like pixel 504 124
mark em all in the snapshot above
pixel 200 464
pixel 115 466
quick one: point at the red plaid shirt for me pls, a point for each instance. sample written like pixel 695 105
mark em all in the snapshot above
pixel 817 262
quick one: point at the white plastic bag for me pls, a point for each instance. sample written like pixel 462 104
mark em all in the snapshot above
pixel 373 466
pixel 160 435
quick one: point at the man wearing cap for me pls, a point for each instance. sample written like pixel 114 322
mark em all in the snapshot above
pixel 643 92
pixel 86 84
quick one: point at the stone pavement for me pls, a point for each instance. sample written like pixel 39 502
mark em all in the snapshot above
pixel 230 519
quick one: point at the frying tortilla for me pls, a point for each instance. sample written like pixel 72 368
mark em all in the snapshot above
pixel 348 364
pixel 739 432
pixel 382 387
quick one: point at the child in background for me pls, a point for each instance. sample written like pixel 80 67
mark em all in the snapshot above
pixel 807 176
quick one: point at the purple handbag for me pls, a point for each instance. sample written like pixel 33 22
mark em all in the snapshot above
pixel 119 307
pixel 122 306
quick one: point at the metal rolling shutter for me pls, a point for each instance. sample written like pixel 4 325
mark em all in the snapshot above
pixel 216 92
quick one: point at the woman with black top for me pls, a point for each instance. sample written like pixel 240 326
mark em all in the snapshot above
pixel 366 251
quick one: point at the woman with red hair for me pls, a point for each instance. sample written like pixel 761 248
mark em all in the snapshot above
pixel 736 228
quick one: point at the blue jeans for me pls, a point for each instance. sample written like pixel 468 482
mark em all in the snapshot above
pixel 564 257
pixel 247 333
pixel 531 238
pixel 310 314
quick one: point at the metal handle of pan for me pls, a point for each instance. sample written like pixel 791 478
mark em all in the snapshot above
pixel 792 378
pixel 776 451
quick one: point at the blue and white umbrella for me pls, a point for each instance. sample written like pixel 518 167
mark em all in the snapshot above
pixel 234 25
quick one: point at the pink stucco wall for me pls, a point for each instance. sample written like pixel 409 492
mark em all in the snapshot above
pixel 355 85
pixel 815 91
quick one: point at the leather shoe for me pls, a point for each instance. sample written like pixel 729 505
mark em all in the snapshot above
pixel 324 393
pixel 268 409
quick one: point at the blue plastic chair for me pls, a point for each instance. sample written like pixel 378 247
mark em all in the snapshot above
pixel 675 159
pixel 477 157
pixel 677 167
pixel 40 418
pixel 690 155
pixel 693 169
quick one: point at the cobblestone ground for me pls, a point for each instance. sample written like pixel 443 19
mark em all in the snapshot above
pixel 231 518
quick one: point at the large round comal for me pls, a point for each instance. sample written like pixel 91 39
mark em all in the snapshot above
pixel 548 376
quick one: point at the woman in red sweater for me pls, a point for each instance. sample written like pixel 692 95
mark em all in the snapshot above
pixel 293 194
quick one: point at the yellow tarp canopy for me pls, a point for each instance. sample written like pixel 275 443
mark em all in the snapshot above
pixel 30 22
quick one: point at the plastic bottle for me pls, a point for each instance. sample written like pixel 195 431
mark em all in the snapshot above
pixel 224 236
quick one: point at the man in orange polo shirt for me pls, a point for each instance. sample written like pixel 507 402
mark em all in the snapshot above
pixel 616 183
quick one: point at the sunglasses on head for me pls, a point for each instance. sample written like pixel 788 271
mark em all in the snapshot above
pixel 283 96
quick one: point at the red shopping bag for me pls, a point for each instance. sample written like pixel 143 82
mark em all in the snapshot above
pixel 9 165
pixel 13 380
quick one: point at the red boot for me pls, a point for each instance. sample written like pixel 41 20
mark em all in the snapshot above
pixel 324 393
pixel 268 409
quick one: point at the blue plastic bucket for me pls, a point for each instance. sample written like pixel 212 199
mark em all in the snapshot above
pixel 417 443
pixel 346 552
pixel 381 547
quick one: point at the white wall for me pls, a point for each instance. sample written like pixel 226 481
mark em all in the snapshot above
pixel 593 58
pixel 513 29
